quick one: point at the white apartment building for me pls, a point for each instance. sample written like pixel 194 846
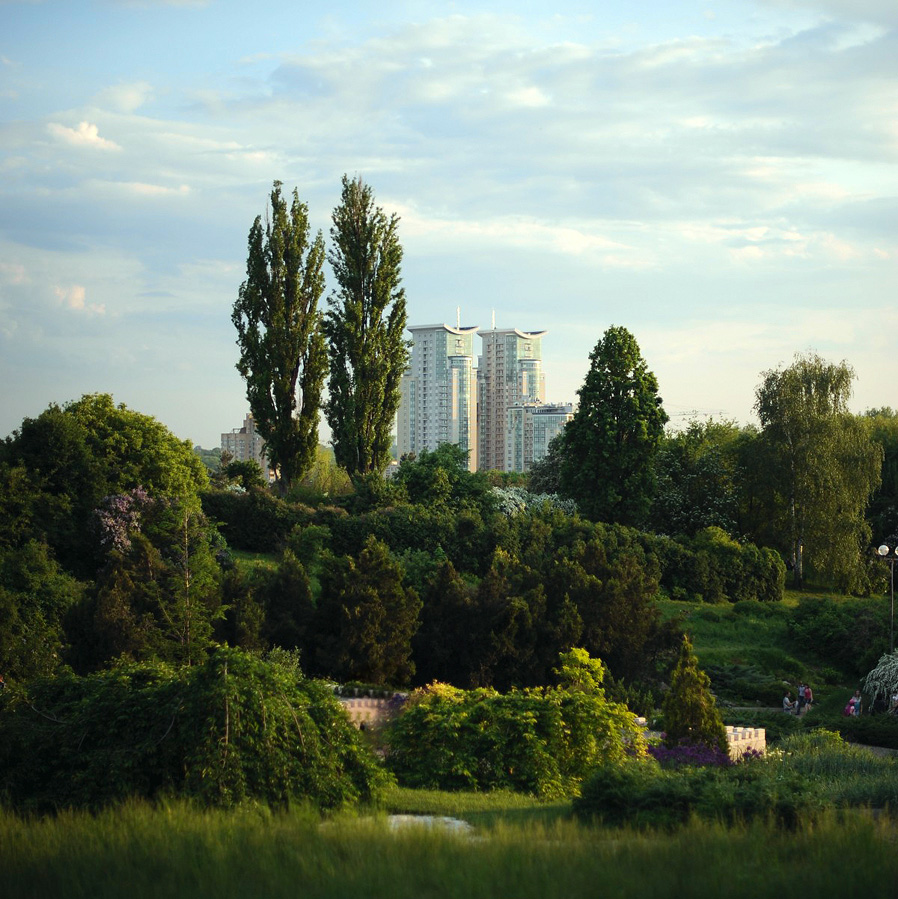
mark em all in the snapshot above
pixel 530 429
pixel 509 374
pixel 439 392
pixel 246 443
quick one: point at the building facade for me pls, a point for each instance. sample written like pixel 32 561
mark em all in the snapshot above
pixel 530 429
pixel 509 374
pixel 439 392
pixel 245 444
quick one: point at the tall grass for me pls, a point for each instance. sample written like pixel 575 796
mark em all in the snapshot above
pixel 137 851
pixel 846 775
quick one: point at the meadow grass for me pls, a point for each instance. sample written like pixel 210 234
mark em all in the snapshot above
pixel 752 633
pixel 176 851
pixel 757 635
pixel 249 561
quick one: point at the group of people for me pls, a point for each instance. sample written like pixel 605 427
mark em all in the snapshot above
pixel 854 706
pixel 800 705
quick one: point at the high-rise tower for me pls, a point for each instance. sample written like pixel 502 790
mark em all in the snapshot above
pixel 439 395
pixel 509 374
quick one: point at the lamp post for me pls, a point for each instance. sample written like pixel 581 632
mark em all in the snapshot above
pixel 890 554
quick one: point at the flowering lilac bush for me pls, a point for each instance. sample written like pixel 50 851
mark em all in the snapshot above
pixel 118 517
pixel 512 500
pixel 689 754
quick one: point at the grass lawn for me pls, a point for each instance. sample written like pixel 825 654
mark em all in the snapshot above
pixel 749 653
pixel 139 851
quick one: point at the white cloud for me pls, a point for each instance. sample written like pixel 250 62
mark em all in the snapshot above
pixel 74 296
pixel 526 233
pixel 126 97
pixel 13 273
pixel 155 190
pixel 528 96
pixel 85 135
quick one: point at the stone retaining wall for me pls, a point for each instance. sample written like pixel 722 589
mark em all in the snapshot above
pixel 745 739
pixel 366 711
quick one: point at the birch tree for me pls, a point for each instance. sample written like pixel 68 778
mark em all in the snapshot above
pixel 825 467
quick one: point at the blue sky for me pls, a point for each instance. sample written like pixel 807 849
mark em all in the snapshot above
pixel 720 177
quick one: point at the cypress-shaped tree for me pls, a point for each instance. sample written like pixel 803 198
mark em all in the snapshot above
pixel 364 328
pixel 690 710
pixel 282 353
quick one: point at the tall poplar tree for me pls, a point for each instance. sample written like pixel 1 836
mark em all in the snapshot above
pixel 825 466
pixel 608 447
pixel 279 331
pixel 364 327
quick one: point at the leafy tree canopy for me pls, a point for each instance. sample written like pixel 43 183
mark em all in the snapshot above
pixel 441 476
pixel 825 468
pixel 698 479
pixel 57 469
pixel 883 511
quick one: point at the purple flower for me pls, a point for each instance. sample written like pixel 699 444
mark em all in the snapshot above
pixel 118 517
pixel 691 754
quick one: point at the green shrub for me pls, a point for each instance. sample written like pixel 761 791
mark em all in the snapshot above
pixel 871 730
pixel 846 775
pixel 849 633
pixel 641 794
pixel 233 729
pixel 256 521
pixel 539 741
pixel 745 683
pixel 714 568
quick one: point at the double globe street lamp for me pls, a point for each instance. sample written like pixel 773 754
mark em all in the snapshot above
pixel 890 554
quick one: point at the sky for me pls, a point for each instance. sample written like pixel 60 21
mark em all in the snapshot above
pixel 719 177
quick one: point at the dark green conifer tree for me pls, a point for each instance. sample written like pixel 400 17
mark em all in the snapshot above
pixel 690 710
pixel 608 447
pixel 366 618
